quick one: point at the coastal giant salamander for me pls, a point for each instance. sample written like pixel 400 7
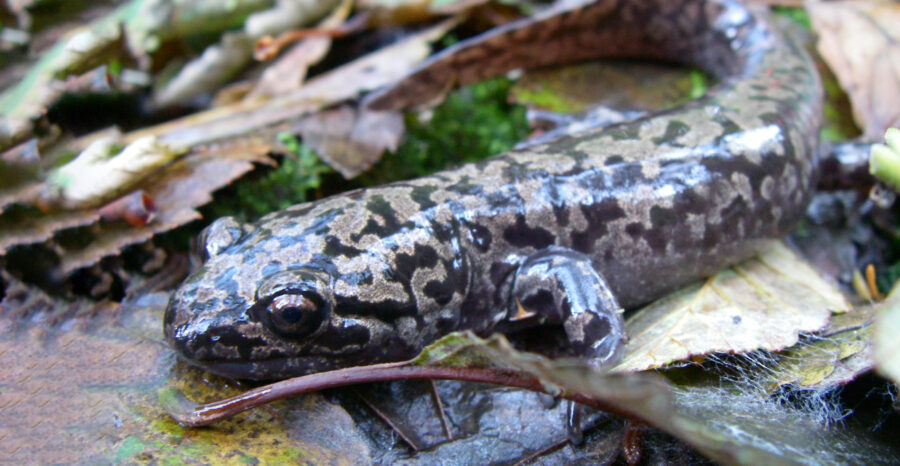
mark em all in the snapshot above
pixel 564 233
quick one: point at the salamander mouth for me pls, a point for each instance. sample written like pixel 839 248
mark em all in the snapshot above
pixel 267 369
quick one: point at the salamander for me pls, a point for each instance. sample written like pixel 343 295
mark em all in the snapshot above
pixel 566 233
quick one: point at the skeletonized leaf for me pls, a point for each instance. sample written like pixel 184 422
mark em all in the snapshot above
pixel 836 355
pixel 859 40
pixel 763 303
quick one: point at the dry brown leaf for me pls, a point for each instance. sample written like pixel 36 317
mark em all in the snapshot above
pixel 211 128
pixel 224 60
pixel 351 140
pixel 177 191
pixel 137 209
pixel 346 82
pixel 217 64
pixel 289 71
pixel 34 227
pixel 783 3
pixel 100 173
pixel 21 193
pixel 393 12
pixel 762 303
pixel 859 40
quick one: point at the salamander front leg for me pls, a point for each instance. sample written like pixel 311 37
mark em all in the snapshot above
pixel 559 285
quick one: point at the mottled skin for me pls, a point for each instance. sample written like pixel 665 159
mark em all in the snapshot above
pixel 562 233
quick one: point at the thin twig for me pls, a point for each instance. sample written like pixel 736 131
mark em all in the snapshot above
pixel 440 409
pixel 390 422
pixel 190 414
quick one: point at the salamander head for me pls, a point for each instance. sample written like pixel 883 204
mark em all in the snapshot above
pixel 263 306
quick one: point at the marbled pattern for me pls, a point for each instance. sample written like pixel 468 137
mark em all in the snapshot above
pixel 556 233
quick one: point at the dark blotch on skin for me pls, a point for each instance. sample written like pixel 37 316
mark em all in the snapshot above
pixel 674 130
pixel 344 337
pixel 381 207
pixel 561 214
pixel 635 230
pixel 385 311
pixel 359 278
pixel 439 291
pixel 334 247
pixel 728 126
pixel 597 216
pixel 446 324
pixel 422 257
pixel 626 175
pixel 521 235
pixel 422 196
pixel 663 220
pixel 613 160
pixel 232 337
pixel 481 236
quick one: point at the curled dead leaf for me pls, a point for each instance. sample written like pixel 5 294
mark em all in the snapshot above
pixel 859 41
pixel 136 209
pixel 762 303
pixel 351 140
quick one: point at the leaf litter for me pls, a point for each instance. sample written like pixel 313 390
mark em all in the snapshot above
pixel 859 41
pixel 222 131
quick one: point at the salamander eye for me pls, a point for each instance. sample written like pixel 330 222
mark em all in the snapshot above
pixel 297 315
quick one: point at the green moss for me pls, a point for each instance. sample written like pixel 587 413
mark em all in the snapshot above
pixel 473 123
pixel 797 15
pixel 699 83
pixel 839 124
pixel 888 277
pixel 294 181
pixel 130 446
pixel 545 98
